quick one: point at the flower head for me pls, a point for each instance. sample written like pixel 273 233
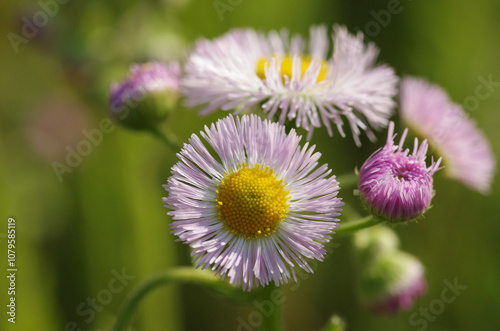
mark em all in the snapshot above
pixel 466 152
pixel 244 68
pixel 255 205
pixel 392 282
pixel 143 99
pixel 395 184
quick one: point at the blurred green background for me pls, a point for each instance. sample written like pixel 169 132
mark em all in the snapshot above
pixel 106 217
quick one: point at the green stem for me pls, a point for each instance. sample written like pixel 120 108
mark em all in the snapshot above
pixel 362 223
pixel 273 322
pixel 179 275
pixel 168 138
pixel 347 180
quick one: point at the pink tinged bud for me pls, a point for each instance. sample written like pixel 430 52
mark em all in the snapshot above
pixel 395 184
pixel 392 283
pixel 144 99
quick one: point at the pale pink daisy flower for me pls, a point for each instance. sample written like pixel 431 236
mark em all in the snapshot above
pixel 426 109
pixel 244 68
pixel 254 205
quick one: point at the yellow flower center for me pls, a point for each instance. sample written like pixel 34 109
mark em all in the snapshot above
pixel 252 201
pixel 286 67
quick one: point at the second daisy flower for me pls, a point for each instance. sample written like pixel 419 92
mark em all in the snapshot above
pixel 254 206
pixel 244 68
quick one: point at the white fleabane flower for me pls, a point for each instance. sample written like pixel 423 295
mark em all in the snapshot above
pixel 244 68
pixel 466 151
pixel 256 205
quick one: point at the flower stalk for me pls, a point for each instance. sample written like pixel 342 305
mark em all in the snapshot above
pixel 167 138
pixel 273 322
pixel 363 223
pixel 185 275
